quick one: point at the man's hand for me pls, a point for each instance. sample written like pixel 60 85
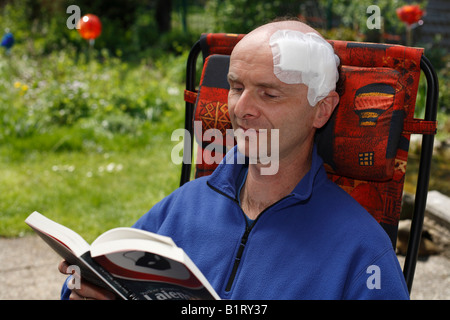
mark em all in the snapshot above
pixel 85 291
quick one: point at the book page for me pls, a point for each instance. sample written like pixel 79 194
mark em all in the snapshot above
pixel 56 235
pixel 132 233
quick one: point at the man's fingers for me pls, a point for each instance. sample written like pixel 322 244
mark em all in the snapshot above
pixel 83 290
pixel 63 266
pixel 88 291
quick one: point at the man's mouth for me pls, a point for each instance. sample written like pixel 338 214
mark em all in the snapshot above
pixel 244 129
pixel 250 129
pixel 247 133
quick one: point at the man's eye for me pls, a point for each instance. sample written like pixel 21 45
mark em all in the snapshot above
pixel 271 96
pixel 236 89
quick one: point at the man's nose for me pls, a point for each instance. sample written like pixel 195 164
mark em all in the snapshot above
pixel 247 106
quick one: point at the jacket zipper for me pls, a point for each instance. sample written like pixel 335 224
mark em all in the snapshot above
pixel 244 238
pixel 237 260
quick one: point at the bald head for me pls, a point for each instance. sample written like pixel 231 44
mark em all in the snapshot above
pixel 298 55
pixel 261 35
pixel 270 28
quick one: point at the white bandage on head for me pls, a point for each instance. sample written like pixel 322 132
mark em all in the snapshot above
pixel 305 58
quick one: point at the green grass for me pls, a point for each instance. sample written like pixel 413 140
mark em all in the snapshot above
pixel 89 192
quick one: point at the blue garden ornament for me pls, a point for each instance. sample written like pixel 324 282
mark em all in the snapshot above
pixel 8 41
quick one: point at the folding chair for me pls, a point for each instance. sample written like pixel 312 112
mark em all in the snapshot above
pixel 364 145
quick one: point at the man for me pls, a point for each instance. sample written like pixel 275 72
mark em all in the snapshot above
pixel 290 234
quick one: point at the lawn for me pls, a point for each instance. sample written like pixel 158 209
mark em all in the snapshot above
pixel 87 192
pixel 89 145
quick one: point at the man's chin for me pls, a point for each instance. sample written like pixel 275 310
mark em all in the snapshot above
pixel 243 148
pixel 252 153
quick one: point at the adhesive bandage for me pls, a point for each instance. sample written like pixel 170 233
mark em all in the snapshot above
pixel 305 58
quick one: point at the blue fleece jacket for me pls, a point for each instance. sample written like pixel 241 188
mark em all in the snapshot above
pixel 316 243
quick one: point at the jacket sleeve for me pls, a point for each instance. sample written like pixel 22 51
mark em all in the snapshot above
pixel 381 279
pixel 65 291
pixel 155 217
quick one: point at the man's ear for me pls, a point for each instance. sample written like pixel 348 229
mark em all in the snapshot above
pixel 325 108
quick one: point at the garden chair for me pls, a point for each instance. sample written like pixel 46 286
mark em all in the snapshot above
pixel 364 145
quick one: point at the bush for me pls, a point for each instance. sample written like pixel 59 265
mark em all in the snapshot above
pixel 65 89
pixel 242 16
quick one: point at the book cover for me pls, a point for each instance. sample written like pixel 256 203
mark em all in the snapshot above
pixel 132 263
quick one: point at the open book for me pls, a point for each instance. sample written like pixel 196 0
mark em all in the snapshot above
pixel 132 263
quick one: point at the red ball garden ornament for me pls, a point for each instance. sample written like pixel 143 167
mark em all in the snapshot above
pixel 89 27
pixel 410 14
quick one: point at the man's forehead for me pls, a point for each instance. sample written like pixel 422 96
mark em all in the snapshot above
pixel 234 77
pixel 261 75
pixel 271 82
pixel 251 60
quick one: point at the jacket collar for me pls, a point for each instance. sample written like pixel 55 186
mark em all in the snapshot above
pixel 228 176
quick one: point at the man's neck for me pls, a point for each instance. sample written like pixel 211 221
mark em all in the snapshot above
pixel 261 191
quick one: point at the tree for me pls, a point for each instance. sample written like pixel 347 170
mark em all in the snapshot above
pixel 163 15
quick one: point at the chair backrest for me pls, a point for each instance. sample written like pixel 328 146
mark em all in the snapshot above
pixel 364 145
